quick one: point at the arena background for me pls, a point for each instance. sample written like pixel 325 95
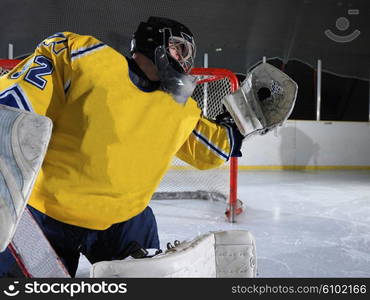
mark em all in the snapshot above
pixel 305 186
pixel 235 34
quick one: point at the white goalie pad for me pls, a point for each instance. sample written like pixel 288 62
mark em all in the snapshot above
pixel 24 137
pixel 216 254
pixel 264 101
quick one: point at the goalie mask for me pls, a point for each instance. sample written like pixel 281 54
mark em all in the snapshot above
pixel 170 46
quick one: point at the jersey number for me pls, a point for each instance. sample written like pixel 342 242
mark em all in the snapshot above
pixel 35 74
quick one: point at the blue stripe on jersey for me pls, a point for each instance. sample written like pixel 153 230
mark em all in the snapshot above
pixel 231 137
pixel 210 145
pixel 84 51
pixel 15 97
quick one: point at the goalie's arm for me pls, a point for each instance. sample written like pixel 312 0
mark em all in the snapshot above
pixel 210 145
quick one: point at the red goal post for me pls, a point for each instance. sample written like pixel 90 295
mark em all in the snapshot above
pixel 213 84
pixel 215 75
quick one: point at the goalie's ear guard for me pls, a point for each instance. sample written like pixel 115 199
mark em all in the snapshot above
pixel 264 101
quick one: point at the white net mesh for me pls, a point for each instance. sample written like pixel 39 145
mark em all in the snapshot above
pixel 183 181
pixel 209 96
pixel 3 71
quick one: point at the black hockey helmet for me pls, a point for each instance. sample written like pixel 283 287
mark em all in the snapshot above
pixel 175 37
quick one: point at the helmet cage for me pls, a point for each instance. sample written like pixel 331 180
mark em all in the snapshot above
pixel 180 50
pixel 173 36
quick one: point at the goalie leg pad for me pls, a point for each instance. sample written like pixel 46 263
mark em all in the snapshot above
pixel 217 254
pixel 24 137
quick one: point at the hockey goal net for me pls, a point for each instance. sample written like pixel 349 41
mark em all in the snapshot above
pixel 183 181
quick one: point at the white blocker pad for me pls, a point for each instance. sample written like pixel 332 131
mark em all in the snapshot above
pixel 215 254
pixel 24 137
pixel 264 101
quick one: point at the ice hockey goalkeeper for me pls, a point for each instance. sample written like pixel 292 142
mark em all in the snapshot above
pixel 117 124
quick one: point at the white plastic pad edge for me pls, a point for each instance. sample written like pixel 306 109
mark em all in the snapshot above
pixel 24 138
pixel 216 254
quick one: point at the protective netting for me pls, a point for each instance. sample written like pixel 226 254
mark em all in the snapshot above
pixel 3 71
pixel 209 96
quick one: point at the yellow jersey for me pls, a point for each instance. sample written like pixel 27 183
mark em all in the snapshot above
pixel 112 142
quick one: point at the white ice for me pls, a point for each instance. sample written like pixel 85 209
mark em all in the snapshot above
pixel 306 223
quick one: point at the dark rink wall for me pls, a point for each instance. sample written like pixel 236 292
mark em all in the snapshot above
pixel 293 34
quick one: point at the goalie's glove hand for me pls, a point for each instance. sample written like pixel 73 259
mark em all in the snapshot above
pixel 226 120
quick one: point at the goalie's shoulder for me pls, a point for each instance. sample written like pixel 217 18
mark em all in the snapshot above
pixel 68 40
pixel 79 40
pixel 59 37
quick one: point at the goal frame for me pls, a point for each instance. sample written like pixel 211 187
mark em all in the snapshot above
pixel 214 74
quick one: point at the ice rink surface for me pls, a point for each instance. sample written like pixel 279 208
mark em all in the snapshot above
pixel 306 223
